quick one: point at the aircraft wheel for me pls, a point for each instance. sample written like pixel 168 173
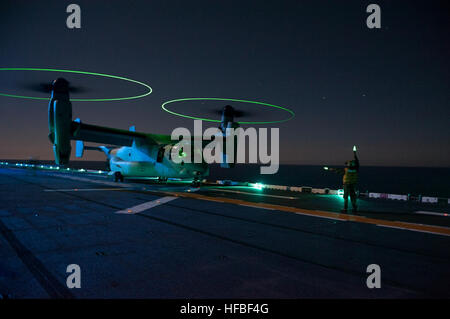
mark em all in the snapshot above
pixel 118 177
pixel 196 183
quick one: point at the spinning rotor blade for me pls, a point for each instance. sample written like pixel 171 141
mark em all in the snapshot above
pixel 46 87
pixel 236 113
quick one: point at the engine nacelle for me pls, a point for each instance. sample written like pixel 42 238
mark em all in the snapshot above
pixel 228 122
pixel 60 121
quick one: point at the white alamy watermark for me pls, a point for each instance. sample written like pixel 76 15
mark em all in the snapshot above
pixel 74 279
pixel 73 20
pixel 374 279
pixel 231 146
pixel 373 21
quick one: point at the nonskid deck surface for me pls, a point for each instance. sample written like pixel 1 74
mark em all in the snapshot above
pixel 150 240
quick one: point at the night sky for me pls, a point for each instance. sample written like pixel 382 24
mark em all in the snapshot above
pixel 385 90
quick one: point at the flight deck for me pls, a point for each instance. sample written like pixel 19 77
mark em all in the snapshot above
pixel 144 239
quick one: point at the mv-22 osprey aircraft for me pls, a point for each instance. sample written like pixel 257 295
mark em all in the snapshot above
pixel 133 154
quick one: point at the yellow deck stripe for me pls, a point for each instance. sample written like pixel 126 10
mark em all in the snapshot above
pixel 317 213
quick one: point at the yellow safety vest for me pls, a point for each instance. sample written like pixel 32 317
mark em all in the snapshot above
pixel 350 176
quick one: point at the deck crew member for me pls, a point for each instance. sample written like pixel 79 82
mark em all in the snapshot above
pixel 349 180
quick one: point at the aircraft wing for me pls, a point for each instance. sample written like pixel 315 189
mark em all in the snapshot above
pixel 107 135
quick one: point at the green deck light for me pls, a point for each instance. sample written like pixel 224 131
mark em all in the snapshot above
pixel 163 106
pixel 149 89
pixel 257 186
pixel 354 148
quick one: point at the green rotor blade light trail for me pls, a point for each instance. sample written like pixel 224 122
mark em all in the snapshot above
pixel 149 89
pixel 164 107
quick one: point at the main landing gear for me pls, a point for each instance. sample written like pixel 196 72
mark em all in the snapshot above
pixel 196 182
pixel 118 177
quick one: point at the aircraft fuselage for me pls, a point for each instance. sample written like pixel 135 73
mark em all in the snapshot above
pixel 152 161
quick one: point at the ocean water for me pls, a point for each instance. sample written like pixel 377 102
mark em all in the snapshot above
pixel 426 181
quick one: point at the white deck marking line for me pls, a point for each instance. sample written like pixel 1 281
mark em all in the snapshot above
pixel 123 185
pixel 430 213
pixel 82 189
pixel 254 194
pixel 147 205
pixel 388 226
pixel 76 178
pixel 253 206
pixel 326 217
pixel 416 230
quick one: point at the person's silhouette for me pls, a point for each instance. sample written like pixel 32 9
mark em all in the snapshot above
pixel 350 180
